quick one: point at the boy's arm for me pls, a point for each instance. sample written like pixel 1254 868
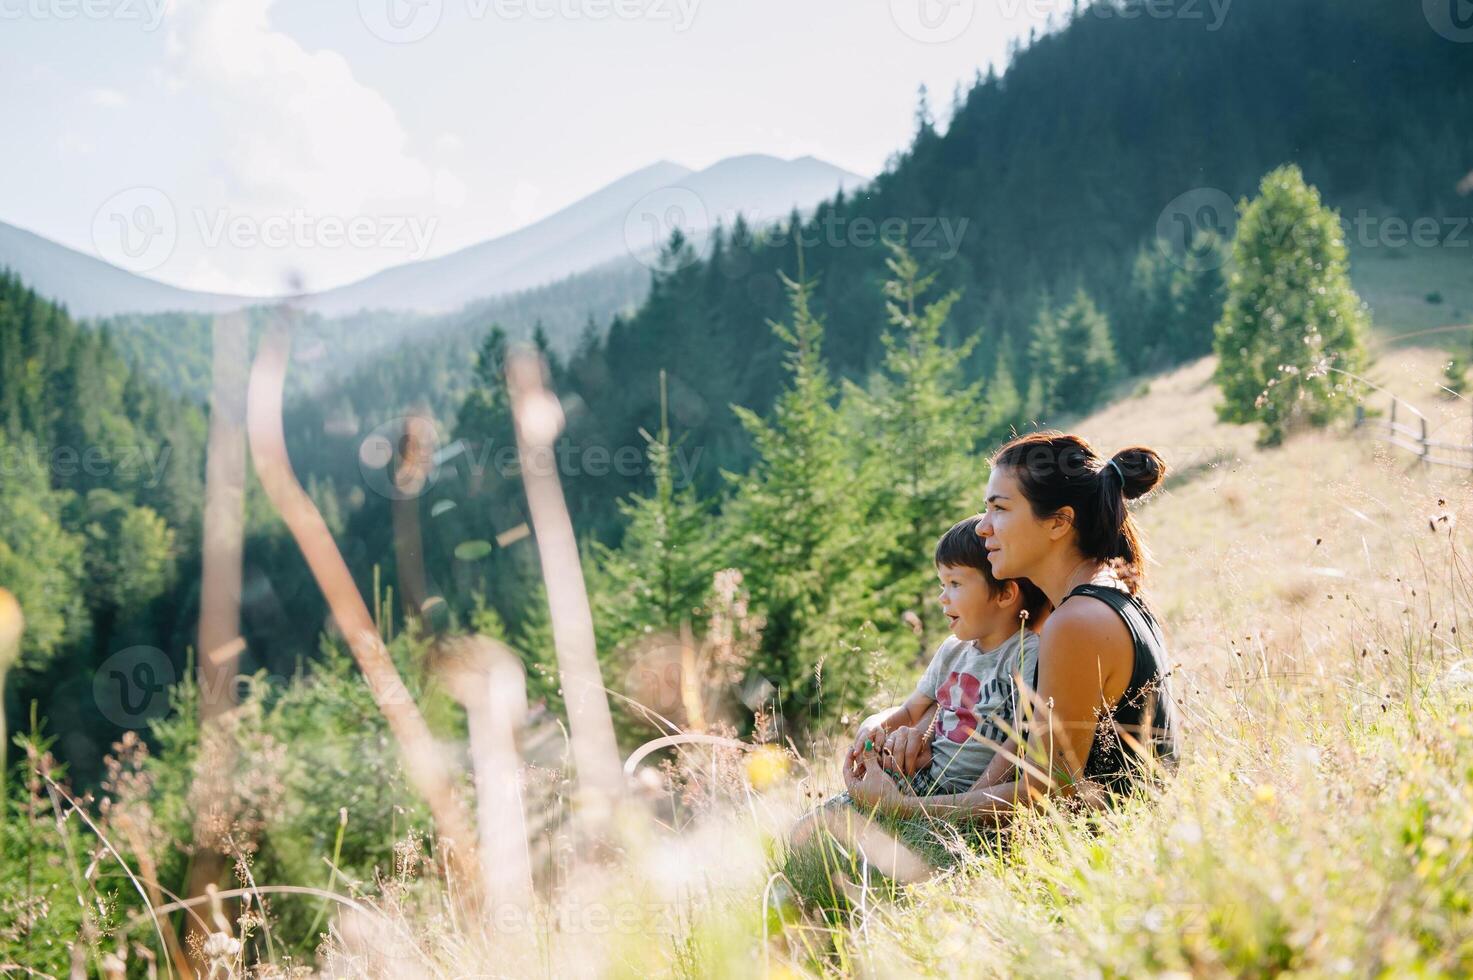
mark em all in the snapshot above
pixel 910 714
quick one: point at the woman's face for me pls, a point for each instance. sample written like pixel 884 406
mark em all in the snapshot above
pixel 1016 541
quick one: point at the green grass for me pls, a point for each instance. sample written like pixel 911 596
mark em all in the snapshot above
pixel 1317 598
pixel 1396 282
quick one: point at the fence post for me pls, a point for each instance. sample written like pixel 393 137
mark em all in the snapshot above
pixel 1393 411
pixel 1425 447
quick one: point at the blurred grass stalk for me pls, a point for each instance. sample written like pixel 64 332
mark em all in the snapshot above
pixel 423 762
pixel 219 641
pixel 539 420
pixel 488 679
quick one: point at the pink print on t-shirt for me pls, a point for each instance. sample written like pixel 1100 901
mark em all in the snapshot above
pixel 956 698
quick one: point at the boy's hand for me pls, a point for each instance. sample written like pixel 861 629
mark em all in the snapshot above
pixel 907 751
pixel 870 730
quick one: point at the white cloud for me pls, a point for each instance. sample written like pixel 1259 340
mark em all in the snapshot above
pixel 450 190
pixel 106 98
pixel 299 129
pixel 71 143
pixel 448 143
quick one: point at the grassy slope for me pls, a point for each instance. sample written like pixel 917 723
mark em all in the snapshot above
pixel 1322 820
pixel 1316 597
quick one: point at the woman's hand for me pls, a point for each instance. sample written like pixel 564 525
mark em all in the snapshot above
pixel 869 785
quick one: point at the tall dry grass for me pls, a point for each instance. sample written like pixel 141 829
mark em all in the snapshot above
pixel 1316 598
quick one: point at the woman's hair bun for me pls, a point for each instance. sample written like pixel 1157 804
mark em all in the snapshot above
pixel 1141 470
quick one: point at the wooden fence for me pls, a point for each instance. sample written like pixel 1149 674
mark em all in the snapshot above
pixel 1407 428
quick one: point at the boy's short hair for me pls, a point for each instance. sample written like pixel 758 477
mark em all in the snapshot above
pixel 960 547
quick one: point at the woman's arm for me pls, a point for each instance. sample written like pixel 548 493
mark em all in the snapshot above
pixel 1001 768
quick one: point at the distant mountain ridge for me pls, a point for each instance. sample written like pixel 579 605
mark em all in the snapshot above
pixel 90 287
pixel 618 221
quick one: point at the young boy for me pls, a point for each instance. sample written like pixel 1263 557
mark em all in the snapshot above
pixel 968 702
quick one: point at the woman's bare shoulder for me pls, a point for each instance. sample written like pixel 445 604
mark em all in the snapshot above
pixel 1084 626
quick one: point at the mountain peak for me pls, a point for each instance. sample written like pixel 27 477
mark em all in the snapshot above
pixel 589 232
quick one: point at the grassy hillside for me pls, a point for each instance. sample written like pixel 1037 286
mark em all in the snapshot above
pixel 1316 599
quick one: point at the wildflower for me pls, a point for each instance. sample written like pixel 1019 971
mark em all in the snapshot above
pixel 766 766
pixel 220 951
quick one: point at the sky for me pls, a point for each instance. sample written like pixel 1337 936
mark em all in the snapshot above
pixel 232 145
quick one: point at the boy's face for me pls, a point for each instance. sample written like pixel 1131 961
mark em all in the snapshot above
pixel 971 607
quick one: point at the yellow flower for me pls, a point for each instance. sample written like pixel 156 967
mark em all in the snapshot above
pixel 766 766
pixel 1265 794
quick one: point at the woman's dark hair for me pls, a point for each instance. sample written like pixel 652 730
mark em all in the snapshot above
pixel 1056 470
pixel 961 548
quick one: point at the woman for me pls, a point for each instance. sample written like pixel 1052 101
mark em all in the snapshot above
pixel 1056 515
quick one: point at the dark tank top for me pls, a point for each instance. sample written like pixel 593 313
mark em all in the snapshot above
pixel 1143 722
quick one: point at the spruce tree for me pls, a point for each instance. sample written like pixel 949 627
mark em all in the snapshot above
pixel 485 414
pixel 657 578
pixel 796 528
pixel 1292 333
pixel 923 422
pixel 1073 356
pixel 1005 408
pixel 1089 353
pixel 1196 295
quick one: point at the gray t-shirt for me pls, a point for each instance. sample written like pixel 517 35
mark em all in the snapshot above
pixel 978 703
